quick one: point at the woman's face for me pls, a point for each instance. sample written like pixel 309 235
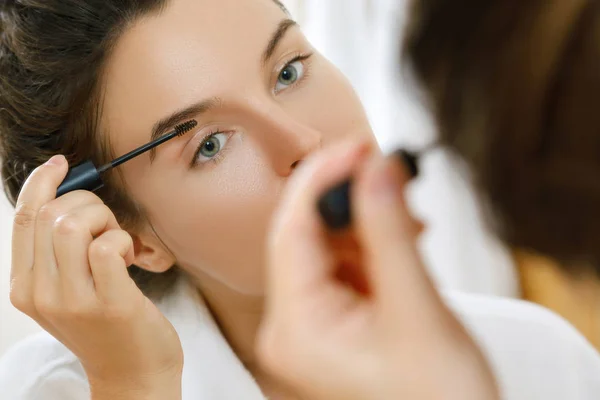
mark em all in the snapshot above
pixel 263 98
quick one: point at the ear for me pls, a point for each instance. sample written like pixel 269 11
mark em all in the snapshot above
pixel 150 253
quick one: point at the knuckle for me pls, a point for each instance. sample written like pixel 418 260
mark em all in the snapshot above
pixel 80 310
pixel 21 300
pixel 47 306
pixel 100 249
pixel 68 225
pixel 48 213
pixel 104 209
pixel 24 215
pixel 124 238
pixel 129 243
pixel 271 345
pixel 127 237
pixel 265 347
pixel 86 197
pixel 118 313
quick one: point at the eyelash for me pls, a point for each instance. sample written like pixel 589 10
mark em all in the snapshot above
pixel 216 159
pixel 296 58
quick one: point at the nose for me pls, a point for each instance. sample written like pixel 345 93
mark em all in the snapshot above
pixel 287 141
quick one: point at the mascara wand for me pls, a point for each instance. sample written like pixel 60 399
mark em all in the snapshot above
pixel 335 207
pixel 87 177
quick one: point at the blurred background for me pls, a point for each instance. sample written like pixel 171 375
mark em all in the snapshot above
pixel 360 37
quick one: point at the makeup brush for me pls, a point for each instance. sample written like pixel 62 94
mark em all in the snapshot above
pixel 86 176
pixel 334 206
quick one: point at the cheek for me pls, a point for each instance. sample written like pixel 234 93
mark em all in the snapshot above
pixel 331 105
pixel 220 224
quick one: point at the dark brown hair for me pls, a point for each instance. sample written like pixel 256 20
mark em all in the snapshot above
pixel 515 89
pixel 52 54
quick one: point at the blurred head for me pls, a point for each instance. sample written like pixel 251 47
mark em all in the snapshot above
pixel 515 88
pixel 98 78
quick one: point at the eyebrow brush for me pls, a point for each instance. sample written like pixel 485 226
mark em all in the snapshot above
pixel 86 176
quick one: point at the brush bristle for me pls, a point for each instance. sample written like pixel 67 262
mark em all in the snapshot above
pixel 186 127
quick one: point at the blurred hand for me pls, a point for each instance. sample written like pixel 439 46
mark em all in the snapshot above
pixel 369 327
pixel 69 273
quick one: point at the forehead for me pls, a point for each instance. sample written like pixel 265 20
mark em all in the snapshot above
pixel 187 52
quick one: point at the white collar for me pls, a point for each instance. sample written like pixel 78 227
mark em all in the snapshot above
pixel 211 368
pixel 534 353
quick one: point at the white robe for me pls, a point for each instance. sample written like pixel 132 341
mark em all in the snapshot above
pixel 535 355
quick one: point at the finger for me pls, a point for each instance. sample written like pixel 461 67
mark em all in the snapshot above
pixel 50 215
pixel 74 200
pixel 387 232
pixel 54 217
pixel 299 260
pixel 38 189
pixel 72 235
pixel 109 256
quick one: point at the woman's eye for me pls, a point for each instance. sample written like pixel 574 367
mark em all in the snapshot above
pixel 211 147
pixel 291 74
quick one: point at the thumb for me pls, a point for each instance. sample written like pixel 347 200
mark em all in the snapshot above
pixel 387 232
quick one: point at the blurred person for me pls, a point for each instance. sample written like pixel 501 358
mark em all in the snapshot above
pixel 513 88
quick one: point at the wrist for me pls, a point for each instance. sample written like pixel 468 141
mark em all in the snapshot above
pixel 147 388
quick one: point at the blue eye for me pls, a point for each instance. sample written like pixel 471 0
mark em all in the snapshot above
pixel 291 74
pixel 211 147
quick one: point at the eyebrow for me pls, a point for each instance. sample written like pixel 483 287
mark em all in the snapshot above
pixel 196 110
pixel 181 116
pixel 279 34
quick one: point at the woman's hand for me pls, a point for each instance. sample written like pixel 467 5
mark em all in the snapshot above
pixel 69 273
pixel 370 326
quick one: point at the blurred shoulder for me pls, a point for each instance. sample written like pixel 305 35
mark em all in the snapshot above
pixel 534 352
pixel 512 315
pixel 40 367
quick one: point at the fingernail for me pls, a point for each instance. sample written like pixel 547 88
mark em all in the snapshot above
pixel 56 160
pixel 410 161
pixel 386 183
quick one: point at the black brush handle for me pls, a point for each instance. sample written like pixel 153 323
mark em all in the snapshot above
pixel 335 207
pixel 82 177
pixel 87 177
